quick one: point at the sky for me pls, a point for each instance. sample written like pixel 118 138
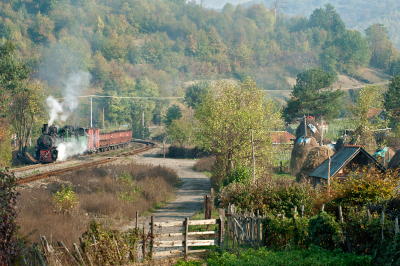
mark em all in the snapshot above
pixel 220 3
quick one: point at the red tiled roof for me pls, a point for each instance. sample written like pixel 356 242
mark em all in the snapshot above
pixel 373 112
pixel 282 137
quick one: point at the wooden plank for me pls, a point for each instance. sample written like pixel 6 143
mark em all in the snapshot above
pixel 203 233
pixel 168 243
pixel 168 224
pixel 167 253
pixel 198 251
pixel 209 242
pixel 189 234
pixel 186 236
pixel 203 222
pixel 191 243
pixel 221 228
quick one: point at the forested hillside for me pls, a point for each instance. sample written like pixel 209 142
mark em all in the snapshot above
pixel 152 47
pixel 356 14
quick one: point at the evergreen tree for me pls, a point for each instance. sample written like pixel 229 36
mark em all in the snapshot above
pixel 392 101
pixel 313 95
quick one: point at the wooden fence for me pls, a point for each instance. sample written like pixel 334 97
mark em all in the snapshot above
pixel 181 242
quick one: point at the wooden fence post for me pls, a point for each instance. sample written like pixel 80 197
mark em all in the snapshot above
pixel 221 227
pixel 144 244
pixel 152 237
pixel 302 211
pixel 258 229
pixel 396 225
pixel 294 212
pixel 137 220
pixel 79 254
pixel 40 256
pixel 61 244
pixel 186 237
pixel 383 223
pixel 323 207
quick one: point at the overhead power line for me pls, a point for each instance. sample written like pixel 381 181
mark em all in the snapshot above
pixel 126 97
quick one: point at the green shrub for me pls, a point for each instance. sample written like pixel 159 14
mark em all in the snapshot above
pixel 65 199
pixel 189 263
pixel 314 256
pixel 280 233
pixel 241 174
pixel 324 231
pixel 269 196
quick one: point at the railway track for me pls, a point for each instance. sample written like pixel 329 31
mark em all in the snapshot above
pixel 39 165
pixel 39 176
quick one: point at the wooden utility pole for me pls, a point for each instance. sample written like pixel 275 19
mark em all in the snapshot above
pixel 103 117
pixel 322 132
pixel 329 170
pixel 163 145
pixel 254 163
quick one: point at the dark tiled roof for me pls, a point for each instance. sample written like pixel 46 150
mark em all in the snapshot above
pixel 341 159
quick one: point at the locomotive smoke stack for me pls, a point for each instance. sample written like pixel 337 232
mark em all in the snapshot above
pixel 45 129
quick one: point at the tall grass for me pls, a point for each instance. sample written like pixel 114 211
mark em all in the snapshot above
pixel 109 193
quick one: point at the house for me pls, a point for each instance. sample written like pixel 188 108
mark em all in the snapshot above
pixel 282 138
pixel 348 159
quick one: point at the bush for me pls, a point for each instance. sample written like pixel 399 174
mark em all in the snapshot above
pixel 362 187
pixel 204 164
pixel 269 196
pixel 284 233
pixel 188 153
pixel 10 244
pixel 241 174
pixel 65 199
pixel 324 231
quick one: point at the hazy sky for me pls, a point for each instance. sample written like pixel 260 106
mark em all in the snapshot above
pixel 221 3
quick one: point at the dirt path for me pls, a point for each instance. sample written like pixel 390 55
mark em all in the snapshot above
pixel 189 197
pixel 188 200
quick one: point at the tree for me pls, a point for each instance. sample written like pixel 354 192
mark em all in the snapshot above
pixel 368 99
pixel 328 58
pixel 353 51
pixel 226 116
pixel 173 113
pixel 363 118
pixel 328 19
pixel 392 101
pixel 27 109
pixel 13 75
pixel 195 93
pixel 313 95
pixel 379 44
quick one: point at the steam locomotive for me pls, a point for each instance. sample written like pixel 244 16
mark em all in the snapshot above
pixel 53 137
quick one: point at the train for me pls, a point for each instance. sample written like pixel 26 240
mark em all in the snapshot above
pixel 53 137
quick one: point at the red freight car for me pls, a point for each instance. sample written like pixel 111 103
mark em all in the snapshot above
pixel 114 140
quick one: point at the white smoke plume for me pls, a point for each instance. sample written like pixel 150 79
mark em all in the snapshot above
pixel 74 85
pixel 69 149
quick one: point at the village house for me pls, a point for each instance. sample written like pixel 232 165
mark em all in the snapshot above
pixel 348 159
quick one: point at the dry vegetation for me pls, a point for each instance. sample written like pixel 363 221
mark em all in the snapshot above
pixel 110 194
pixel 204 164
